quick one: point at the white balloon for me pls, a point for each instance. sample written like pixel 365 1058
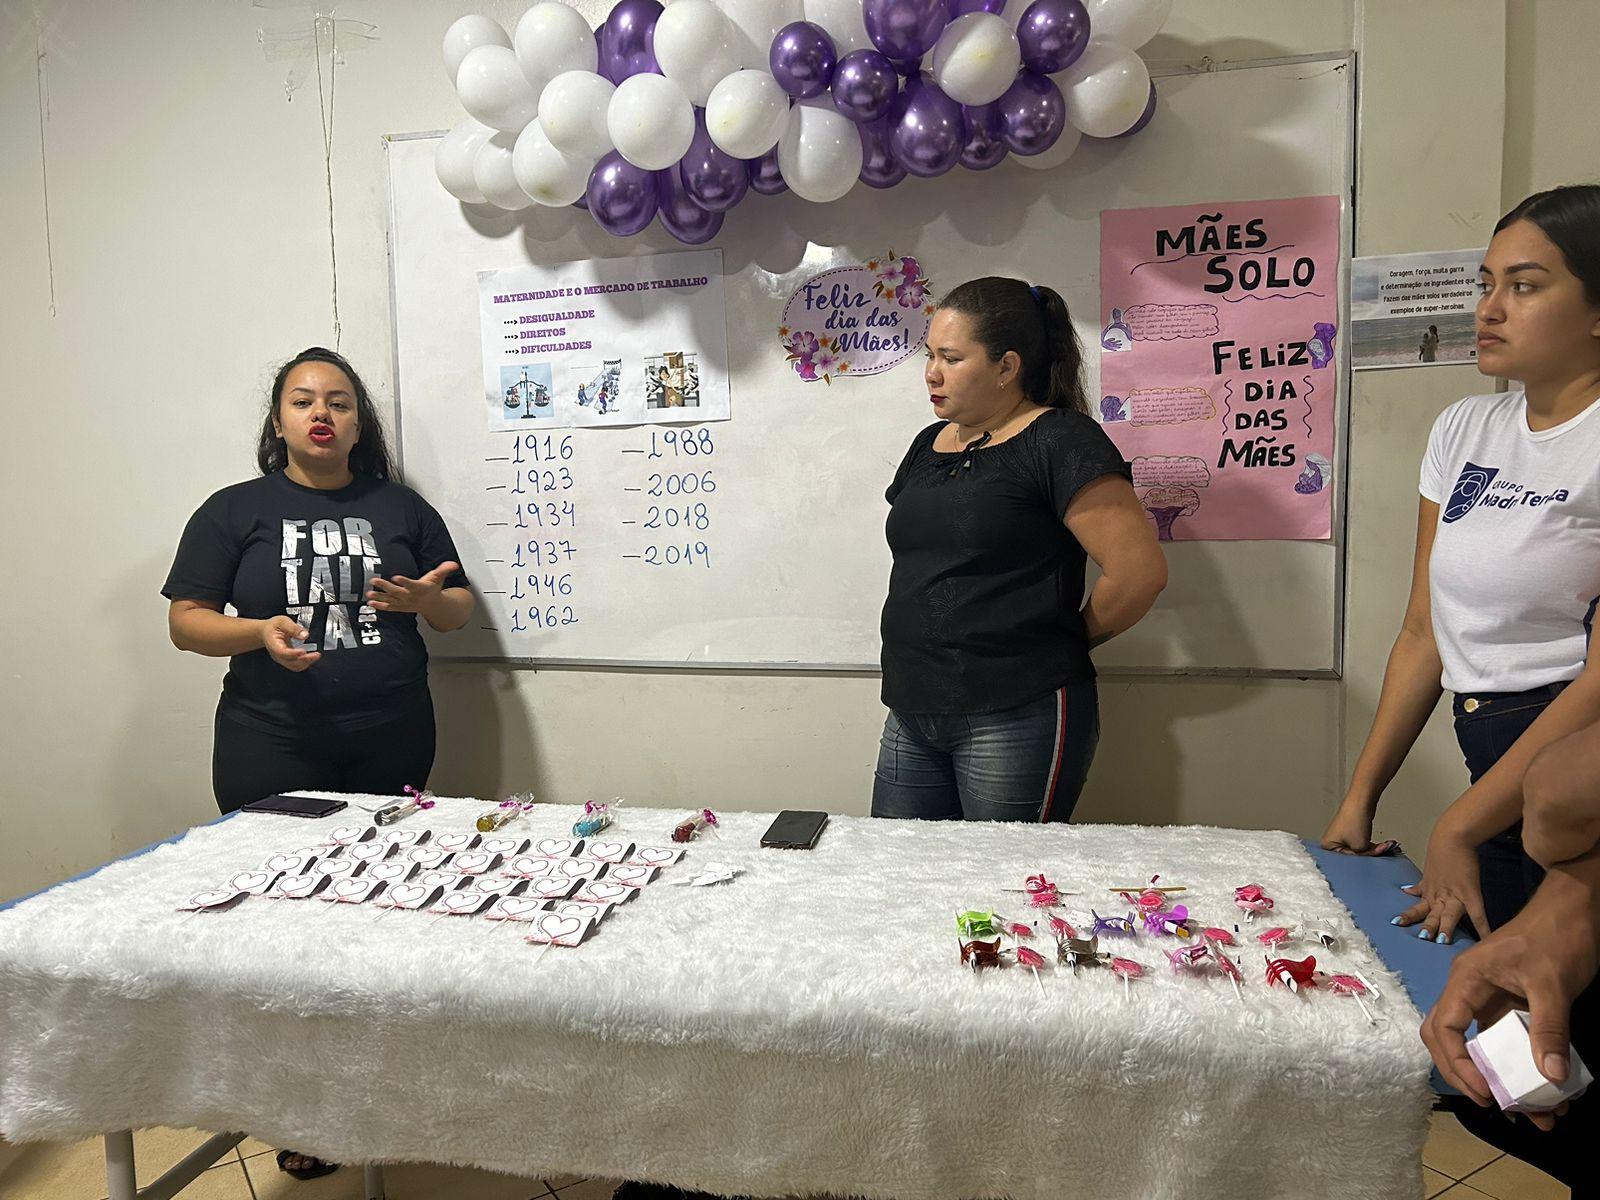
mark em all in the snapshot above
pixel 491 168
pixel 694 46
pixel 465 36
pixel 1059 152
pixel 572 109
pixel 453 158
pixel 1106 89
pixel 543 172
pixel 551 38
pixel 976 58
pixel 842 20
pixel 492 89
pixel 819 154
pixel 747 113
pixel 1129 23
pixel 651 121
pixel 756 23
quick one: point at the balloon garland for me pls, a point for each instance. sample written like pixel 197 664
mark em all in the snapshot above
pixel 675 114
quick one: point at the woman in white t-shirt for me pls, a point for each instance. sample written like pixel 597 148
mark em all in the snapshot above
pixel 1506 580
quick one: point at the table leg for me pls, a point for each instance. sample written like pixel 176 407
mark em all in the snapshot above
pixel 120 1180
pixel 372 1182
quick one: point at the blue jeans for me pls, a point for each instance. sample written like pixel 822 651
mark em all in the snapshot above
pixel 1509 878
pixel 1019 764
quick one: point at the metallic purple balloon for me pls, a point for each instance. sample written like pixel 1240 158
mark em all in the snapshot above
pixel 879 167
pixel 984 147
pixel 905 29
pixel 714 179
pixel 627 40
pixel 1144 118
pixel 622 197
pixel 926 132
pixel 679 214
pixel 1032 114
pixel 960 8
pixel 1052 34
pixel 864 85
pixel 764 174
pixel 802 59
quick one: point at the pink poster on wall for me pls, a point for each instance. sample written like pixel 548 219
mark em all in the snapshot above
pixel 1217 371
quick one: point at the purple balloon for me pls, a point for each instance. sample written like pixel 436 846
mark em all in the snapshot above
pixel 679 214
pixel 764 174
pixel 984 146
pixel 622 197
pixel 1032 114
pixel 1052 34
pixel 802 59
pixel 905 29
pixel 864 85
pixel 714 179
pixel 879 167
pixel 960 8
pixel 926 130
pixel 1144 118
pixel 627 40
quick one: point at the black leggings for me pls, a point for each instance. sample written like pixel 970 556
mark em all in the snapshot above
pixel 248 763
pixel 1509 878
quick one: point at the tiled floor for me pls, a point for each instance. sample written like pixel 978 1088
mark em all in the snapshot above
pixel 77 1171
pixel 1457 1166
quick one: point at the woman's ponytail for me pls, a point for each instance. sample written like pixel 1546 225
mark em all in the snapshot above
pixel 1007 314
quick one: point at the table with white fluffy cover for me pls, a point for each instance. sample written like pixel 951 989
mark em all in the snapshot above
pixel 804 1029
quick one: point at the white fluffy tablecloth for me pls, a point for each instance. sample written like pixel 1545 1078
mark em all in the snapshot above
pixel 805 1029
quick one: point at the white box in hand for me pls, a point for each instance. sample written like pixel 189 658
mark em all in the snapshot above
pixel 1505 1056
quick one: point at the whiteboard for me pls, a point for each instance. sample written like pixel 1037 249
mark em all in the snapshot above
pixel 789 568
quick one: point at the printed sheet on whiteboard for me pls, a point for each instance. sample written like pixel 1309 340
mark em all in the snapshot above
pixel 625 341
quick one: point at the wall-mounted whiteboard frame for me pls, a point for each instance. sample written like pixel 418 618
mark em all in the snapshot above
pixel 1122 657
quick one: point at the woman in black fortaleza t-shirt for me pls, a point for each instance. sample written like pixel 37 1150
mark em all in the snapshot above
pixel 327 559
pixel 995 510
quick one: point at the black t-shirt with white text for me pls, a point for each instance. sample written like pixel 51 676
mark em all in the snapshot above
pixel 987 582
pixel 271 547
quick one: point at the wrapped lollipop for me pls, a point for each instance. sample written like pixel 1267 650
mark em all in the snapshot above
pixel 1231 969
pixel 975 924
pixel 1188 959
pixel 1033 960
pixel 1061 927
pixel 1126 969
pixel 1286 973
pixel 978 955
pixel 1276 938
pixel 1215 935
pixel 1112 926
pixel 1148 899
pixel 1252 901
pixel 685 830
pixel 1355 988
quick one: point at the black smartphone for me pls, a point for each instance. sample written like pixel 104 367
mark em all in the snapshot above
pixel 794 830
pixel 296 806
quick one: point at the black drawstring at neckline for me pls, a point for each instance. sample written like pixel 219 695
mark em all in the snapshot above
pixel 966 459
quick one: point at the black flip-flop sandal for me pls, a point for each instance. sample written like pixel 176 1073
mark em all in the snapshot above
pixel 304 1173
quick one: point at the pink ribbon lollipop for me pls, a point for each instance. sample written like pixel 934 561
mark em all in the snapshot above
pixel 1349 985
pixel 1126 969
pixel 1033 960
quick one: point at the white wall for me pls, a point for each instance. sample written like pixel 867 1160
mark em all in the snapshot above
pixel 190 254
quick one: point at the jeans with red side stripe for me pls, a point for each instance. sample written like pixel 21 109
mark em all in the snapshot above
pixel 1018 764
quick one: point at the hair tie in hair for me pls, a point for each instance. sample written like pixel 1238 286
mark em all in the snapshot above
pixel 1037 299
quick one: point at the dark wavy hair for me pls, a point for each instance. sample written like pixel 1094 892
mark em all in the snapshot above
pixel 1570 217
pixel 1008 314
pixel 369 456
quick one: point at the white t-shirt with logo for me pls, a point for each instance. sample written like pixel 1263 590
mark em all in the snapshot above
pixel 1515 571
